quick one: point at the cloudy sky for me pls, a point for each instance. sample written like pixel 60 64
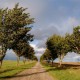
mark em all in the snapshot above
pixel 51 17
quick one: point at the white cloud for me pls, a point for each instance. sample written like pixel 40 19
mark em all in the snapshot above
pixel 76 57
pixel 38 50
pixel 70 57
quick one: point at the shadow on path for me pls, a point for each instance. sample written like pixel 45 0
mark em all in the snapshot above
pixel 23 75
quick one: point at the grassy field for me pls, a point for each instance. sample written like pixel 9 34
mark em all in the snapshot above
pixel 9 68
pixel 63 74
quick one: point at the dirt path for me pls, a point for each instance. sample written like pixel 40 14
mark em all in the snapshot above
pixel 36 73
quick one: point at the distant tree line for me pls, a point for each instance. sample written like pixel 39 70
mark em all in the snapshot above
pixel 14 32
pixel 58 46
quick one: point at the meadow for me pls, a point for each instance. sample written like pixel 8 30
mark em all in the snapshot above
pixel 63 73
pixel 10 68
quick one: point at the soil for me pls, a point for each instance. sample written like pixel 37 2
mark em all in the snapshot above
pixel 36 73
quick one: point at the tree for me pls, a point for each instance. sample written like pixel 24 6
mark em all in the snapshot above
pixel 52 44
pixel 3 38
pixel 74 40
pixel 29 53
pixel 14 26
pixel 35 58
pixel 18 23
pixel 19 49
pixel 58 47
pixel 2 54
pixel 70 42
pixel 64 48
pixel 46 56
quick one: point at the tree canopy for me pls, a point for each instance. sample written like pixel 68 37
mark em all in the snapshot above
pixel 47 55
pixel 14 28
pixel 59 46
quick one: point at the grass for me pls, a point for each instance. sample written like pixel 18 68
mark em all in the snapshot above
pixel 10 68
pixel 63 74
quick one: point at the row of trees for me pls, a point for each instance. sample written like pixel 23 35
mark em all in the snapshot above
pixel 58 46
pixel 14 32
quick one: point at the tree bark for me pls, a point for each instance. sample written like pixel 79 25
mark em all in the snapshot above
pixel 60 63
pixel 18 58
pixel 60 59
pixel 1 64
pixel 52 62
pixel 24 61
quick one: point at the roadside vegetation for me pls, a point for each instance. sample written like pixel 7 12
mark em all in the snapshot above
pixel 9 68
pixel 15 25
pixel 62 73
pixel 58 46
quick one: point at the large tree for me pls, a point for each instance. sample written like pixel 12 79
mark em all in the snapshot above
pixel 74 40
pixel 3 36
pixel 52 44
pixel 58 46
pixel 14 26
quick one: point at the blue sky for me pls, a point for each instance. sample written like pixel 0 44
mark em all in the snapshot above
pixel 51 17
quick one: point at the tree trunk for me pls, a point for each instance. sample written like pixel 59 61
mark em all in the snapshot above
pixel 18 58
pixel 2 54
pixel 60 59
pixel 1 63
pixel 52 62
pixel 60 62
pixel 24 61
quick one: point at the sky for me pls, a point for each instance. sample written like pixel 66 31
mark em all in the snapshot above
pixel 51 17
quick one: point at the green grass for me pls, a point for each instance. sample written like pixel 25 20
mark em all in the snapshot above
pixel 63 74
pixel 10 68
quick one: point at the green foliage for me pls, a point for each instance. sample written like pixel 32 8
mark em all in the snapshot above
pixel 14 28
pixel 47 55
pixel 17 23
pixel 33 57
pixel 28 52
pixel 58 46
pixel 76 38
pixel 22 48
